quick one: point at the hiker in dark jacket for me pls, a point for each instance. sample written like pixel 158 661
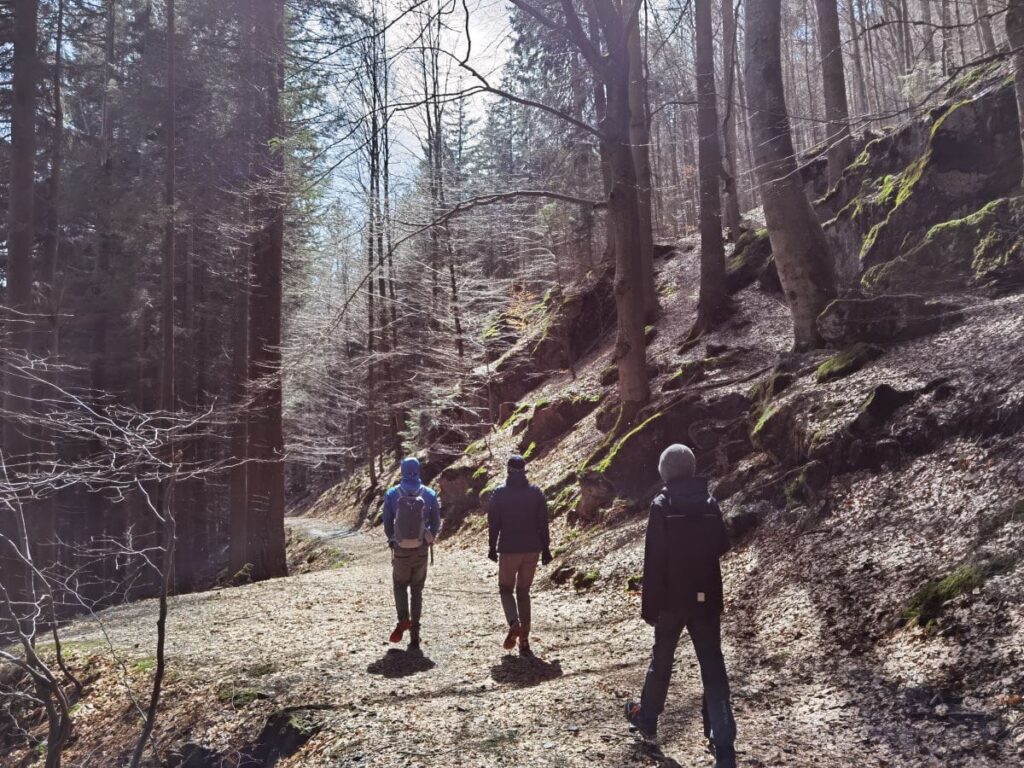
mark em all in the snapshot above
pixel 517 523
pixel 682 589
pixel 413 506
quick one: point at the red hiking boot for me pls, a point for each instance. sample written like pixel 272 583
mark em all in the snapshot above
pixel 512 637
pixel 400 629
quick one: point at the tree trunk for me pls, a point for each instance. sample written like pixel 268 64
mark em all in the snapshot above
pixel 798 242
pixel 624 217
pixel 731 161
pixel 238 515
pixel 928 32
pixel 640 136
pixel 711 305
pixel 48 331
pixel 17 446
pixel 1015 34
pixel 858 64
pixel 988 40
pixel 265 479
pixel 833 79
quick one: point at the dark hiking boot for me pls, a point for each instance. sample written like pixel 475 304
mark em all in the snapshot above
pixel 414 646
pixel 414 638
pixel 511 637
pixel 725 757
pixel 642 726
pixel 525 652
pixel 399 631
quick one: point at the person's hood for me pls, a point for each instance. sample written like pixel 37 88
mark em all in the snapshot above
pixel 411 474
pixel 688 488
pixel 516 478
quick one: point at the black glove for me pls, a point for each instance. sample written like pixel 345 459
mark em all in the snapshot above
pixel 546 557
pixel 492 555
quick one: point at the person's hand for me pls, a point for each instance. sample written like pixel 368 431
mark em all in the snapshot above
pixel 492 555
pixel 391 544
pixel 546 557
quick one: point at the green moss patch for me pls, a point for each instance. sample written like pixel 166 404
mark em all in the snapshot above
pixel 635 582
pixel 928 602
pixel 983 249
pixel 750 255
pixel 239 697
pixel 584 580
pixel 687 375
pixel 848 361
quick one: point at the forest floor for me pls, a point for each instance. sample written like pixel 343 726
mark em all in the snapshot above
pixel 825 668
pixel 316 644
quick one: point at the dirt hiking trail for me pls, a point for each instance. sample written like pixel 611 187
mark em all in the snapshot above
pixel 316 643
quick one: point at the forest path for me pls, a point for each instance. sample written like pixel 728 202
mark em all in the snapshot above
pixel 320 640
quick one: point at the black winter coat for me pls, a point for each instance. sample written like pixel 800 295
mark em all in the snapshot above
pixel 685 540
pixel 517 517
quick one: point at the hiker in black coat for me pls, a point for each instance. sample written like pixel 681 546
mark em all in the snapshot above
pixel 518 535
pixel 682 589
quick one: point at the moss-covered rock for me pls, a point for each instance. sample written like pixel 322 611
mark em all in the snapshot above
pixel 982 250
pixel 459 487
pixel 779 432
pixel 687 375
pixel 848 361
pixel 882 319
pixel 631 465
pixel 879 407
pixel 804 485
pixel 574 319
pixel 584 580
pixel 928 602
pixel 973 153
pixel 552 419
pixel 750 256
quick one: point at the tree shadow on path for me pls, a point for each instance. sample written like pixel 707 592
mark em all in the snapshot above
pixel 523 673
pixel 398 663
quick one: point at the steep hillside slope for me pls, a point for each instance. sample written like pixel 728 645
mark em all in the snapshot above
pixel 874 492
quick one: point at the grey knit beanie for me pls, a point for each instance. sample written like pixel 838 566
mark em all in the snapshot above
pixel 677 461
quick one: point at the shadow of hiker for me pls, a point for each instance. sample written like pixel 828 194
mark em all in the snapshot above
pixel 522 673
pixel 399 663
pixel 651 751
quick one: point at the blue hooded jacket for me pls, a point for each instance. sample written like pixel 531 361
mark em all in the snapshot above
pixel 410 483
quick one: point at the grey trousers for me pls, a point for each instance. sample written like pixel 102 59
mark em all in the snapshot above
pixel 515 577
pixel 409 573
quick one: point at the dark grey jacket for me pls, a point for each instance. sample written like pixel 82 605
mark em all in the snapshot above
pixel 517 517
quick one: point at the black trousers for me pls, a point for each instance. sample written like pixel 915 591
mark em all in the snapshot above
pixel 706 633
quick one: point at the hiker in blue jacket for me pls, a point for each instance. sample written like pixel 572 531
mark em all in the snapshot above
pixel 412 520
pixel 682 590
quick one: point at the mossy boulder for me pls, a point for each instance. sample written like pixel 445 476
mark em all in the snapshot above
pixel 687 375
pixel 973 153
pixel 879 407
pixel 750 256
pixel 881 319
pixel 584 580
pixel 460 488
pixel 781 433
pixel 848 361
pixel 928 603
pixel 573 321
pixel 631 465
pixel 982 250
pixel 500 333
pixel 552 419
